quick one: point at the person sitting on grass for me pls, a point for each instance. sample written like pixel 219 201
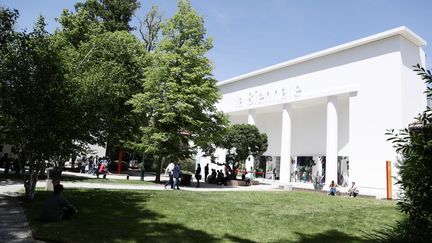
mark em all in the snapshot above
pixel 57 208
pixel 353 191
pixel 333 189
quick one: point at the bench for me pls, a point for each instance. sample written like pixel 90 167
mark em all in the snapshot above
pixel 241 183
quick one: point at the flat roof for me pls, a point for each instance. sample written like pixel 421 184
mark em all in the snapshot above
pixel 402 30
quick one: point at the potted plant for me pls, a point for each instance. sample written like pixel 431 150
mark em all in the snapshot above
pixel 316 180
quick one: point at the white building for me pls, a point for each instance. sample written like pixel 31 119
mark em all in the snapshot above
pixel 335 106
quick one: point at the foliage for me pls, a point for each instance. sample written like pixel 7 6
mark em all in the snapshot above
pixel 242 141
pixel 179 93
pixel 187 165
pixel 110 15
pixel 37 114
pixel 106 64
pixel 414 144
pixel 404 231
pixel 62 91
pixel 223 217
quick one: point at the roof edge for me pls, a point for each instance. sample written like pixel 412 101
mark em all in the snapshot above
pixel 402 30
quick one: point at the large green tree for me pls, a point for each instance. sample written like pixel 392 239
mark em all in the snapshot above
pixel 37 111
pixel 179 96
pixel 242 141
pixel 106 62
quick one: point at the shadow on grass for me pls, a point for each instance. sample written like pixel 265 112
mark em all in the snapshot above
pixel 237 239
pixel 403 231
pixel 110 216
pixel 329 236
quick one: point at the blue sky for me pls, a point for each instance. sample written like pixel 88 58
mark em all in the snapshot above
pixel 253 34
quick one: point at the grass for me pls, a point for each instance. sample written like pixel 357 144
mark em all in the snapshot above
pixel 71 178
pixel 182 216
pixel 105 181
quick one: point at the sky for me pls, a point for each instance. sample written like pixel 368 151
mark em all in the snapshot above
pixel 254 34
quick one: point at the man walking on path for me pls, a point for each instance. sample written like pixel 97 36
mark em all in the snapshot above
pixel 168 170
pixel 176 175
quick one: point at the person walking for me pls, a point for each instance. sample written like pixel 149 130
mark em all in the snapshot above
pixel 206 172
pixel 168 171
pixel 176 175
pixel 198 174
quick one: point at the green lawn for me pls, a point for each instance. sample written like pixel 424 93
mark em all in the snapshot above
pixel 105 181
pixel 182 216
pixel 71 178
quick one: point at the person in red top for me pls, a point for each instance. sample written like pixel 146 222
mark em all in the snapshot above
pixel 102 170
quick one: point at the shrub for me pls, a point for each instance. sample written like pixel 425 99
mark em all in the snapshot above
pixel 414 144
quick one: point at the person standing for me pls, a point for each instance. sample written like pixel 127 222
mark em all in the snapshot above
pixel 206 172
pixel 176 176
pixel 5 161
pixel 198 174
pixel 142 165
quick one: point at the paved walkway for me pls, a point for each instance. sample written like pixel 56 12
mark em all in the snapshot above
pixel 13 222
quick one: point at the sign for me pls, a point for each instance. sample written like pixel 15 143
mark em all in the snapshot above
pixel 267 96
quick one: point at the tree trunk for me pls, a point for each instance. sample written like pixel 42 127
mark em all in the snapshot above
pixel 235 172
pixel 159 167
pixel 30 181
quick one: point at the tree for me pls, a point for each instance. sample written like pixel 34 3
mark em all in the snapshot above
pixel 242 141
pixel 150 27
pixel 414 144
pixel 114 15
pixel 106 62
pixel 37 109
pixel 179 96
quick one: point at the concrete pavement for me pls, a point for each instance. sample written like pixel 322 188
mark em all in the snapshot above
pixel 13 222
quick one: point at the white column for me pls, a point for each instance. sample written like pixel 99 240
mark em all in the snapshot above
pixel 332 140
pixel 251 117
pixel 251 121
pixel 285 163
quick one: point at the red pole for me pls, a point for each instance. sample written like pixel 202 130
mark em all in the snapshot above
pixel 120 160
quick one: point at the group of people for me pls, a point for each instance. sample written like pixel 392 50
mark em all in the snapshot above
pixel 217 177
pixel 173 170
pixel 94 166
pixel 353 191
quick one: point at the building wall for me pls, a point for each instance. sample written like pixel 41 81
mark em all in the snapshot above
pixel 376 90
